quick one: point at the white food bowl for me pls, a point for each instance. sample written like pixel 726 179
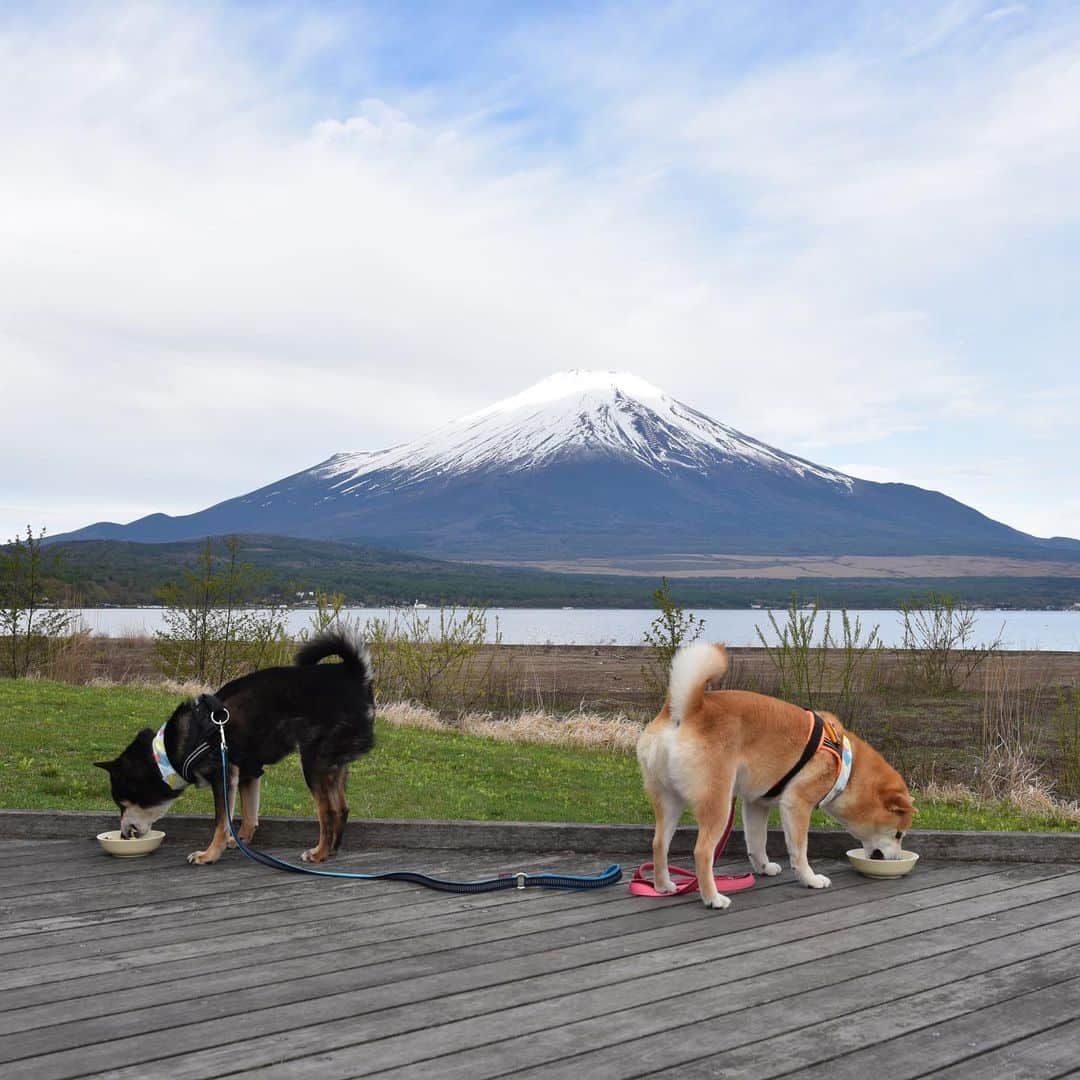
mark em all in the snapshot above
pixel 881 868
pixel 112 842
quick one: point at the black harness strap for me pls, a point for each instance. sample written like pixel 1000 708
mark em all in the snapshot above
pixel 811 748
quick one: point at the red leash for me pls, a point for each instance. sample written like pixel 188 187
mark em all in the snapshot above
pixel 640 885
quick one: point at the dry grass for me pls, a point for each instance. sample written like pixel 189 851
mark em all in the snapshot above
pixel 1032 797
pixel 410 714
pixel 181 688
pixel 581 729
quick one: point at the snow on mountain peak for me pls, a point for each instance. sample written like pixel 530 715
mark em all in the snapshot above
pixel 576 383
pixel 570 414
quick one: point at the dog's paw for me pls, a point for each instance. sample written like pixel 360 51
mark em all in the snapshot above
pixel 202 858
pixel 718 902
pixel 312 855
pixel 230 844
pixel 665 887
pixel 816 881
pixel 769 869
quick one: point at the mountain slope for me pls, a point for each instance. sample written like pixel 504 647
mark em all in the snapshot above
pixel 595 463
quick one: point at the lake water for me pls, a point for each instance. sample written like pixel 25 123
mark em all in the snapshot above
pixel 1049 630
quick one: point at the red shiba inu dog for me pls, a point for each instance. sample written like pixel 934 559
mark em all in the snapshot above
pixel 704 749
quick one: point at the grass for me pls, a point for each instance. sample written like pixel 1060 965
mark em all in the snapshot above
pixel 51 733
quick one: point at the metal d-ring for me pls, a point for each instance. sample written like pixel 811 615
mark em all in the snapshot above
pixel 220 724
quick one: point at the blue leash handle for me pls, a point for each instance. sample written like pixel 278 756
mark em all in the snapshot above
pixel 507 881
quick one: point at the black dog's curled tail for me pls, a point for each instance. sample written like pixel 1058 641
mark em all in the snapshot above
pixel 335 643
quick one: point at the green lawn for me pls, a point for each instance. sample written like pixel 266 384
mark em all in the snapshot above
pixel 50 733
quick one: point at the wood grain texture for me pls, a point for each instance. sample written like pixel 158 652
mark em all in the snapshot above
pixel 153 968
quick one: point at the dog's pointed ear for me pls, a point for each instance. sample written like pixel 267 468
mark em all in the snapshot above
pixel 899 802
pixel 108 766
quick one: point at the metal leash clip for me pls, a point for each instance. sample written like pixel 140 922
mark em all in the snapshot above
pixel 220 723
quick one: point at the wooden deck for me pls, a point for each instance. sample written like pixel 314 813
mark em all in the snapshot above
pixel 152 968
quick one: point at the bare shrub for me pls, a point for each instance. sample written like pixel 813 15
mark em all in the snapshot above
pixel 212 632
pixel 667 634
pixel 440 666
pixel 833 671
pixel 940 653
pixel 1008 759
pixel 29 623
pixel 328 616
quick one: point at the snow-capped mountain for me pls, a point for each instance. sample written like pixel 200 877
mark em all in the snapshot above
pixel 590 463
pixel 571 414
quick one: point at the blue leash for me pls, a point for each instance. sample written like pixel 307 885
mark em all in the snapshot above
pixel 506 881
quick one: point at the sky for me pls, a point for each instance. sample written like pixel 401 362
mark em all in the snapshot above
pixel 236 238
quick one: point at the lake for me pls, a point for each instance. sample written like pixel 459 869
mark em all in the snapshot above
pixel 1049 630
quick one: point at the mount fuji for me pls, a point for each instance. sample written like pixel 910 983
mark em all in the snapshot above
pixel 587 464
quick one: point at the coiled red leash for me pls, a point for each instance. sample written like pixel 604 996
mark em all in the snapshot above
pixel 640 885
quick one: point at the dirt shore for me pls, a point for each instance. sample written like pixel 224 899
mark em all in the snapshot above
pixel 598 675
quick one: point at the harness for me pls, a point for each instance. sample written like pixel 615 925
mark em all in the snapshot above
pixel 822 736
pixel 177 779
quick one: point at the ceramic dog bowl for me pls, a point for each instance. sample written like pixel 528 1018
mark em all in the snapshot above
pixel 130 849
pixel 883 867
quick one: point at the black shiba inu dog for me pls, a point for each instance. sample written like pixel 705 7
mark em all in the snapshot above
pixel 325 711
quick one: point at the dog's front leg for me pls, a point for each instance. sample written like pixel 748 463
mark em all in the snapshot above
pixel 249 804
pixel 217 844
pixel 755 818
pixel 795 817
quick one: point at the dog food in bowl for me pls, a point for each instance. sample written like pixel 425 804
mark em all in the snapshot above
pixel 883 868
pixel 114 844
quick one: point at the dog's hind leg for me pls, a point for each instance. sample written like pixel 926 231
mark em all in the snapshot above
pixel 340 806
pixel 321 851
pixel 324 783
pixel 712 814
pixel 755 818
pixel 217 844
pixel 668 807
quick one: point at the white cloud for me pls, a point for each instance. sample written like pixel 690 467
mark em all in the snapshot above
pixel 216 273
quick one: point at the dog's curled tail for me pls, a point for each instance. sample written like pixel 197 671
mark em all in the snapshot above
pixel 692 669
pixel 335 643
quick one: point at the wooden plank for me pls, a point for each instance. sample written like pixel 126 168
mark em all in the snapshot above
pixel 914 1012
pixel 424 1032
pixel 156 994
pixel 671 924
pixel 410 981
pixel 230 931
pixel 546 836
pixel 268 889
pixel 466 928
pixel 327 1001
pixel 961 1039
pixel 147 879
pixel 646 1038
pixel 1045 1056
